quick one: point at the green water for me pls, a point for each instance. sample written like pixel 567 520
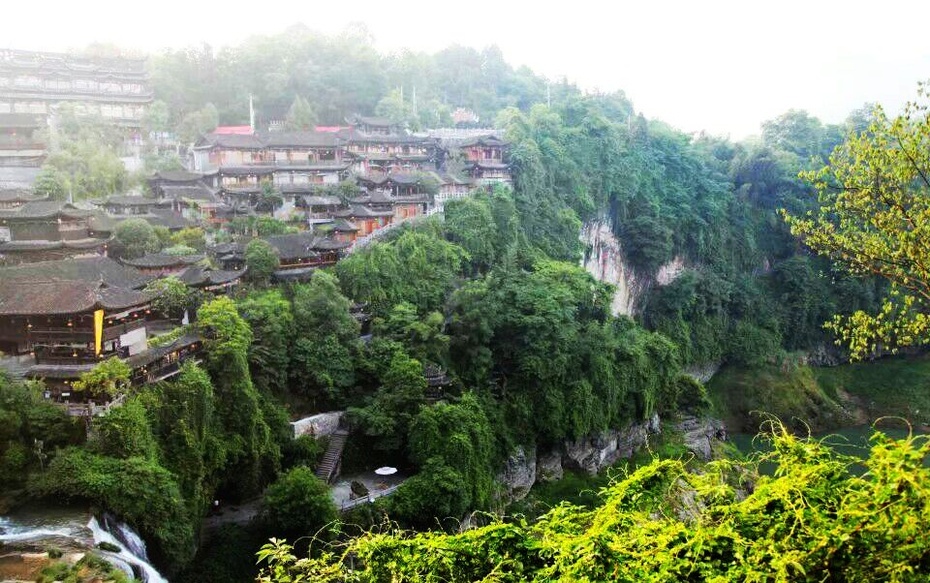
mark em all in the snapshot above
pixel 852 441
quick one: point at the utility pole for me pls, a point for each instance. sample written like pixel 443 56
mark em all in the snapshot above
pixel 548 95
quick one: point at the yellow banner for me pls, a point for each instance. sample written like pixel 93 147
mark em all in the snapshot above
pixel 98 332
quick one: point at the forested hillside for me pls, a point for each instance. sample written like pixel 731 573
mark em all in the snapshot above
pixel 492 298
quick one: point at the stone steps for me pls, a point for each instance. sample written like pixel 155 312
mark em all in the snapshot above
pixel 330 463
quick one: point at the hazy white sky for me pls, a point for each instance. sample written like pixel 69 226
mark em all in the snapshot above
pixel 721 66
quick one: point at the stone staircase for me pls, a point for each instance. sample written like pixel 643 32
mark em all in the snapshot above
pixel 332 459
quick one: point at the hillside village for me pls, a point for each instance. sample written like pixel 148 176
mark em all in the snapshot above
pixel 71 296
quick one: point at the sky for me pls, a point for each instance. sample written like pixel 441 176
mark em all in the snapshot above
pixel 719 66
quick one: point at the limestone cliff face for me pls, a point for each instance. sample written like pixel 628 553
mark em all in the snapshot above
pixel 605 260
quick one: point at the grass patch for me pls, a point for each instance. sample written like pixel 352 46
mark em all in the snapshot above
pixel 790 391
pixel 896 386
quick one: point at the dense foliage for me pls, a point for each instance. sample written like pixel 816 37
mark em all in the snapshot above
pixel 873 218
pixel 813 519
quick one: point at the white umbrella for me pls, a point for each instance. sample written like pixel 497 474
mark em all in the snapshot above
pixel 386 471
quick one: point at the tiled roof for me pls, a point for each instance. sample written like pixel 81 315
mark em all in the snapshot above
pixel 362 212
pixel 159 260
pixel 167 218
pixel 43 209
pixel 311 200
pixel 232 141
pixel 152 354
pixel 293 246
pixel 197 276
pixel 176 176
pixel 189 191
pixel 134 201
pixel 87 269
pixel 327 244
pixel 343 226
pixel 487 140
pixel 369 120
pixel 61 296
pixel 19 194
pixel 58 371
pixel 308 139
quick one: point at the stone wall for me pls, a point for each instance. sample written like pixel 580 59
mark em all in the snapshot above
pixel 319 425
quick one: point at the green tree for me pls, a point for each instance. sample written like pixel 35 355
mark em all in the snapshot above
pixel 320 309
pixel 470 224
pixel 261 259
pixel 198 123
pixel 271 318
pixel 873 219
pixel 393 107
pixel 300 116
pixel 299 504
pixel 862 525
pixel 134 238
pixel 389 412
pixel 192 237
pixel 172 297
pixel 253 456
pixel 107 380
pixel 179 250
pixel 125 432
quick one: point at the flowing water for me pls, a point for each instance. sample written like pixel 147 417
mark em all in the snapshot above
pixel 81 530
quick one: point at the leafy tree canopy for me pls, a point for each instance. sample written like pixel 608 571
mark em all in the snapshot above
pixel 874 218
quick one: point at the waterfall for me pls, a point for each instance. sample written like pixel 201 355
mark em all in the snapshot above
pixel 11 531
pixel 132 553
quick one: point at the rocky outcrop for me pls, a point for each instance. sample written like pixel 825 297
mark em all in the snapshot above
pixel 519 473
pixel 321 425
pixel 549 466
pixel 700 434
pixel 604 260
pixel 594 453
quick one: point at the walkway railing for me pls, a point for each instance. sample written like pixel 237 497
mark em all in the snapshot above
pixel 371 497
pixel 362 242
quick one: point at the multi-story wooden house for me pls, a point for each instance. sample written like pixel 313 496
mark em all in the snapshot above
pixel 37 83
pixel 46 230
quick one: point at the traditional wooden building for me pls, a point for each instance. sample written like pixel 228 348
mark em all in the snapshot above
pixel 21 139
pixel 124 206
pixel 214 281
pixel 319 208
pixel 485 159
pixel 343 231
pixel 13 198
pixel 46 230
pixel 70 315
pixel 48 307
pixel 305 250
pixel 162 265
pixel 367 220
pixel 36 83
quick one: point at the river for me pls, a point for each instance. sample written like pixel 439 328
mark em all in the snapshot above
pixel 853 441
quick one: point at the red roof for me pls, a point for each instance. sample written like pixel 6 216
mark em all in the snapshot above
pixel 331 129
pixel 238 130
